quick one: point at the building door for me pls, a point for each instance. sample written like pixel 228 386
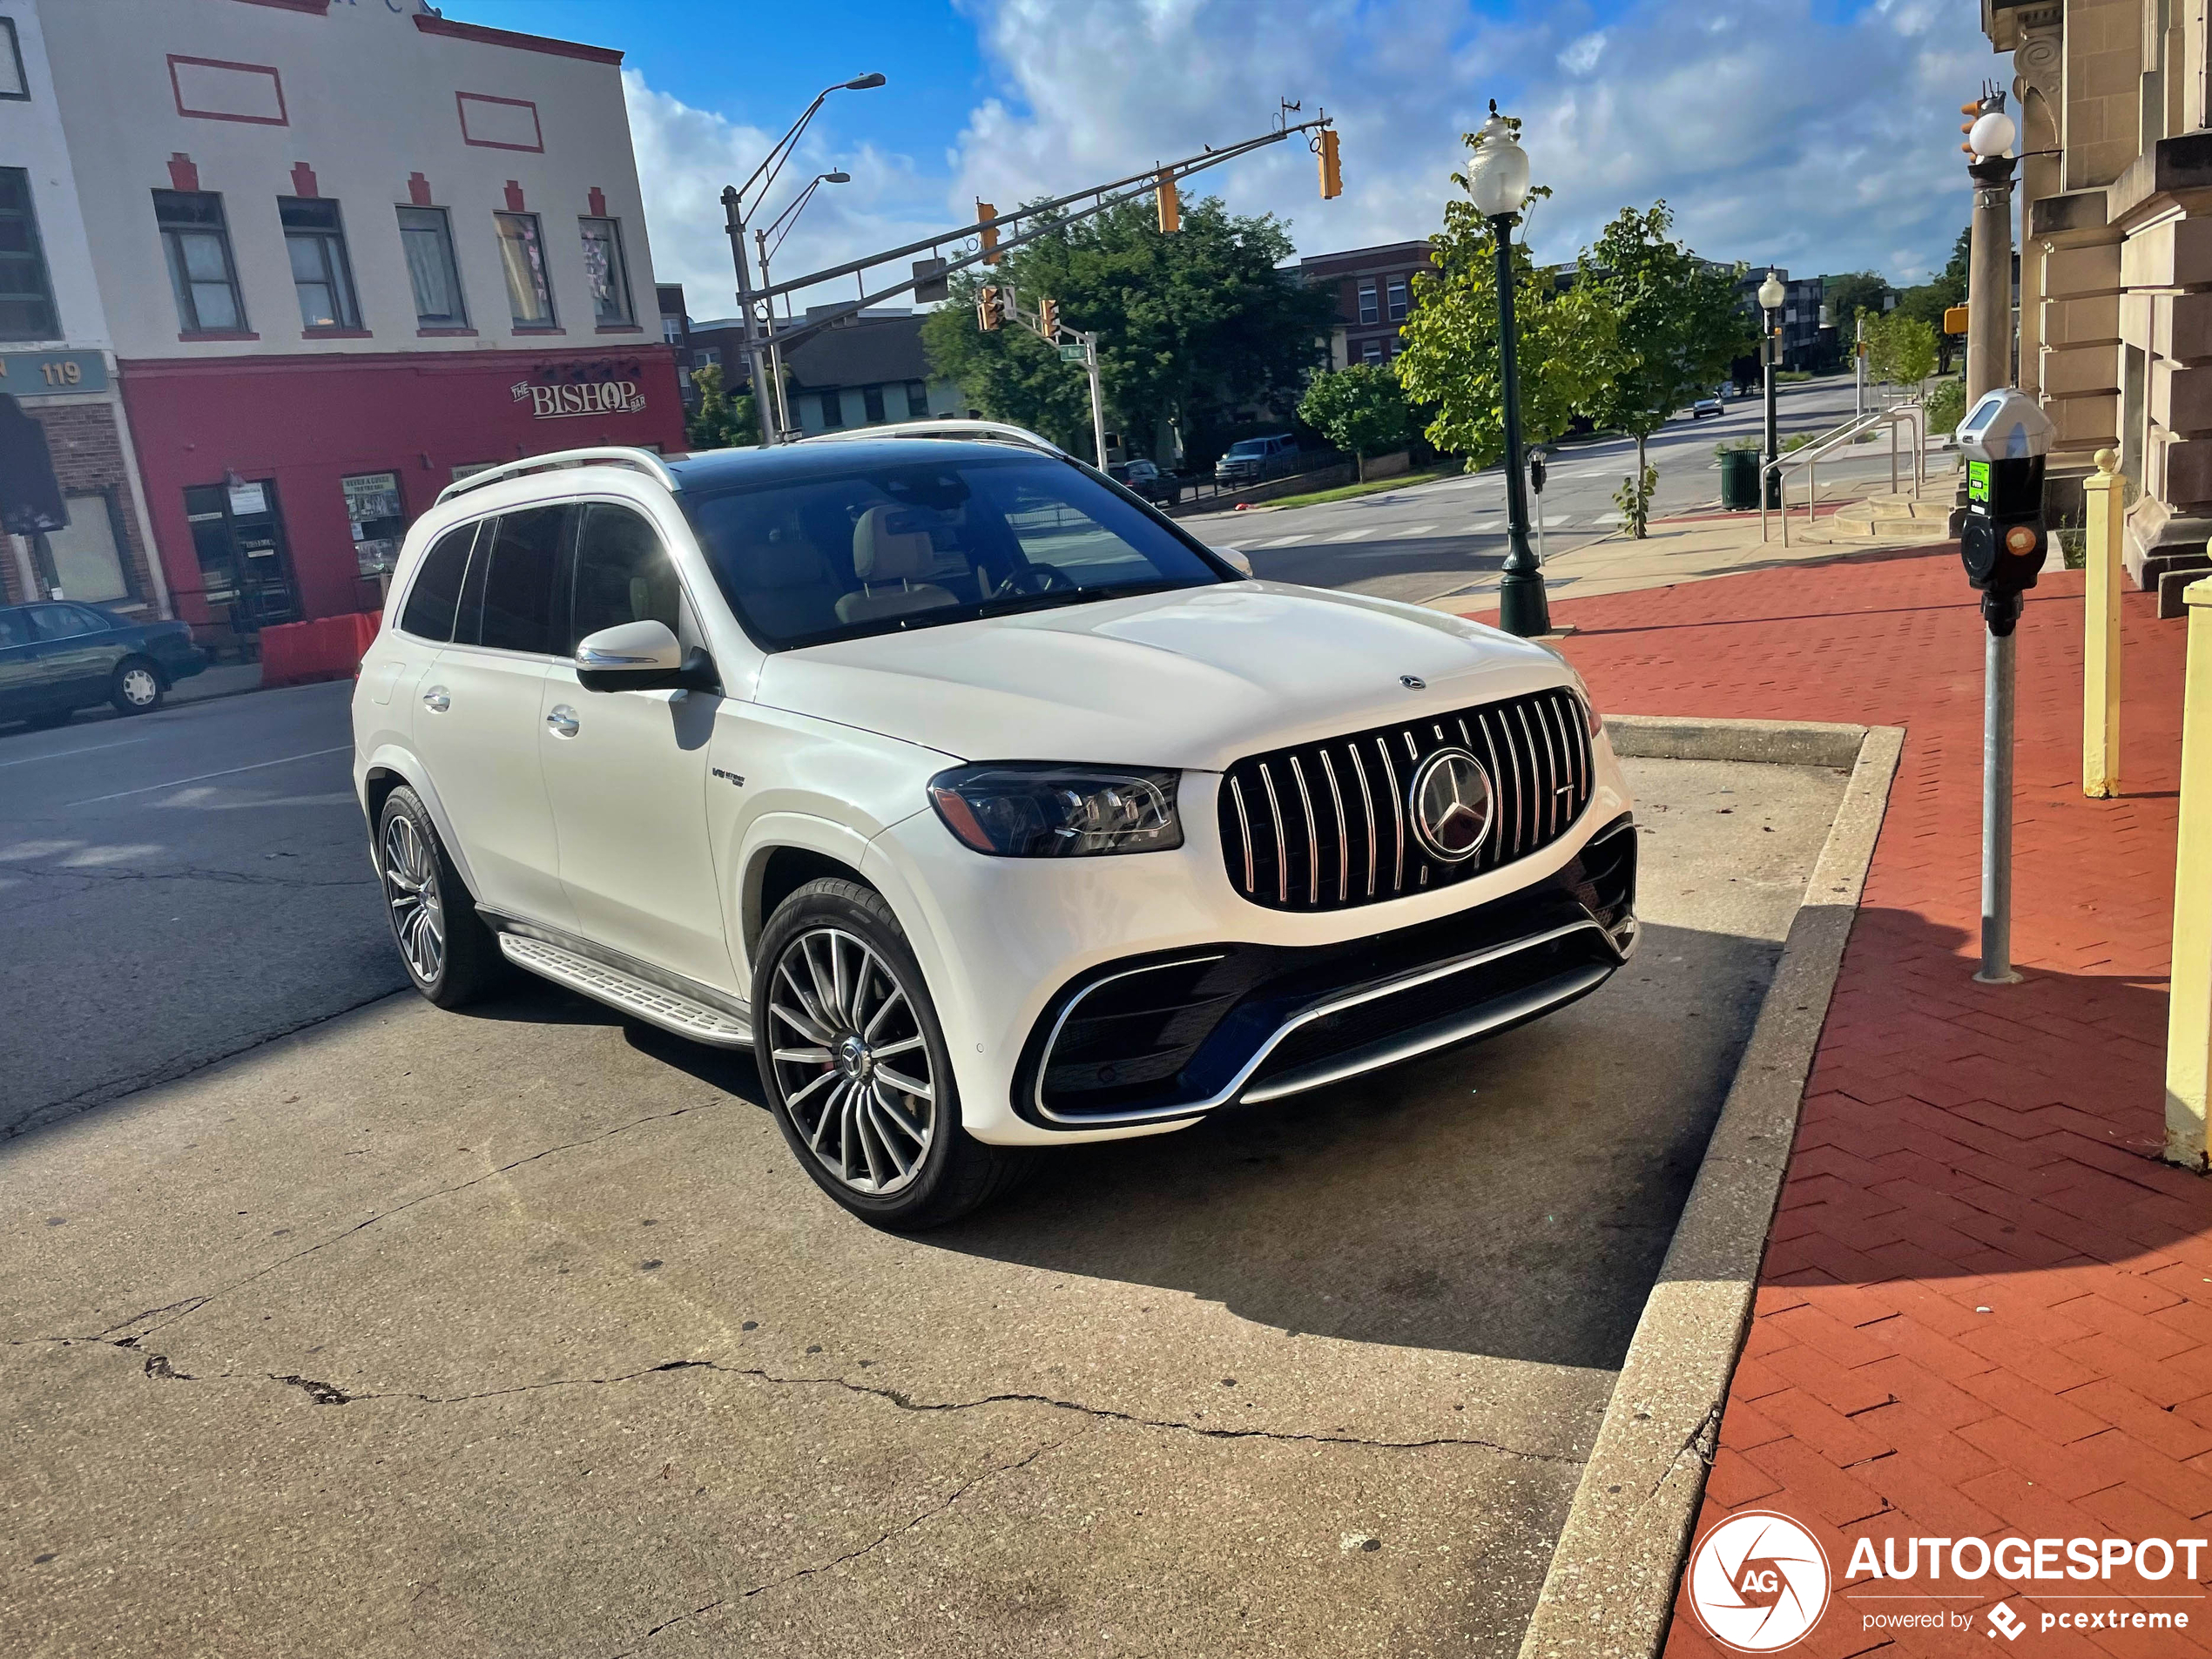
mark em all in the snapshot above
pixel 244 567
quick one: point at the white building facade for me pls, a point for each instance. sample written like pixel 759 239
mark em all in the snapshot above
pixel 347 250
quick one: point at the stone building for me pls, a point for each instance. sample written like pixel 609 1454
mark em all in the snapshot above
pixel 2115 276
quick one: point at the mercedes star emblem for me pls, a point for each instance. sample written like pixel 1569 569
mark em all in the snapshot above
pixel 1413 682
pixel 1450 798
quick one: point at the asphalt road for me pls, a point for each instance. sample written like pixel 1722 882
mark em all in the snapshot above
pixel 175 887
pixel 1427 540
pixel 520 1332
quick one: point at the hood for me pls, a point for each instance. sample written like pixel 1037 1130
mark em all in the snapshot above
pixel 1195 678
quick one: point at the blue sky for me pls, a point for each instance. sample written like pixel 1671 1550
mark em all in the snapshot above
pixel 1816 134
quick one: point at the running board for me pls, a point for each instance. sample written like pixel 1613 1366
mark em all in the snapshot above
pixel 653 1004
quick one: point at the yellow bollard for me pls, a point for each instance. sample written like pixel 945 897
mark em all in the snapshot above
pixel 2188 1030
pixel 2105 495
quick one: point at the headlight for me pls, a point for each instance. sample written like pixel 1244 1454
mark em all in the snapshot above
pixel 1043 810
pixel 1591 717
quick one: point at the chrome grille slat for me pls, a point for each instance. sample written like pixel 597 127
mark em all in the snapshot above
pixel 1368 805
pixel 1343 835
pixel 1397 816
pixel 1244 834
pixel 1312 833
pixel 1282 852
pixel 1536 748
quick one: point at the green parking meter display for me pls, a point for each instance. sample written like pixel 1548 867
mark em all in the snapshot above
pixel 2003 541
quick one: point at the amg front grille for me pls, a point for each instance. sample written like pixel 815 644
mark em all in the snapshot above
pixel 1327 826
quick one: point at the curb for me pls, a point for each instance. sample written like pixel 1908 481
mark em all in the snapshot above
pixel 1610 1593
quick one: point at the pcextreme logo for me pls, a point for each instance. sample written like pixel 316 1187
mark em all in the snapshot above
pixel 1759 1582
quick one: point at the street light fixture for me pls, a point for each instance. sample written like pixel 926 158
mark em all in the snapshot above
pixel 1771 295
pixel 1498 182
pixel 767 242
pixel 734 208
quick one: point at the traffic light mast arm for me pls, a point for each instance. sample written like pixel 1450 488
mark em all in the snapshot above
pixel 1146 183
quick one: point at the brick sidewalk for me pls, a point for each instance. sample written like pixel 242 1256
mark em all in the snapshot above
pixel 1985 1308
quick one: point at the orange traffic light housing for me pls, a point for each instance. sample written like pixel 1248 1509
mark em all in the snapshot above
pixel 1171 205
pixel 1332 168
pixel 1048 318
pixel 987 232
pixel 990 310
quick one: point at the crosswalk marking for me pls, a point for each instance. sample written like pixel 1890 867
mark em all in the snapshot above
pixel 1282 540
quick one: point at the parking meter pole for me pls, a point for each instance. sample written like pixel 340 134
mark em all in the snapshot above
pixel 1997 804
pixel 1521 606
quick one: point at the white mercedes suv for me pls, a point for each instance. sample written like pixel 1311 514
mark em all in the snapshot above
pixel 986 807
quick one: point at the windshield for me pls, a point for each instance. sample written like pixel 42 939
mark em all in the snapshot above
pixel 1249 446
pixel 900 545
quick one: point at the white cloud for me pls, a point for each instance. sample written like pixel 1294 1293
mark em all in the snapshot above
pixel 1777 137
pixel 1580 56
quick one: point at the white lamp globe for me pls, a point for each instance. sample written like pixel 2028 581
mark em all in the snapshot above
pixel 1498 171
pixel 1772 293
pixel 1992 134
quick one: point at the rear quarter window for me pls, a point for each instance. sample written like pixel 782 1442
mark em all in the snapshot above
pixel 434 595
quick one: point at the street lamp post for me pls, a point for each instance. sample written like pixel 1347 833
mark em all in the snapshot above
pixel 766 247
pixel 1498 181
pixel 1771 295
pixel 733 213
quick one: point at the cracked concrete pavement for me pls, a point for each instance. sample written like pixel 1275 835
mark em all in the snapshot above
pixel 520 1332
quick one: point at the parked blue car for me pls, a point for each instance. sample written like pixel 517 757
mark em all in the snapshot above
pixel 61 656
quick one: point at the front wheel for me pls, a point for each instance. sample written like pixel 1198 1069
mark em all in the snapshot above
pixel 137 687
pixel 449 952
pixel 855 1065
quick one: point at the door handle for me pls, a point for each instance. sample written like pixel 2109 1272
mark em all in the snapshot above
pixel 435 700
pixel 563 721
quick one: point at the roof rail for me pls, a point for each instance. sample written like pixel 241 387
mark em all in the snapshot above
pixel 642 461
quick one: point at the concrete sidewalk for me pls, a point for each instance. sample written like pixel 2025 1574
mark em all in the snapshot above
pixel 1985 1308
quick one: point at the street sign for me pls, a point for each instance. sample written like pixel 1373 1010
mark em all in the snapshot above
pixel 1075 354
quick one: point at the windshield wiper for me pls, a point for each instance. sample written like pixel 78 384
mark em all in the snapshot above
pixel 1052 597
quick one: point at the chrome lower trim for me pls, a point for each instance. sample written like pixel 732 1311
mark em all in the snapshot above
pixel 1366 994
pixel 638 998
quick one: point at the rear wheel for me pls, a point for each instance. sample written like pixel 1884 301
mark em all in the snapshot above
pixel 855 1065
pixel 136 687
pixel 449 952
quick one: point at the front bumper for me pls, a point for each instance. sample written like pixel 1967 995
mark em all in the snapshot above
pixel 1006 944
pixel 1171 1037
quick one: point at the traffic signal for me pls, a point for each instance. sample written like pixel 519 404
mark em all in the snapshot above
pixel 1048 318
pixel 1332 169
pixel 984 214
pixel 1170 204
pixel 990 308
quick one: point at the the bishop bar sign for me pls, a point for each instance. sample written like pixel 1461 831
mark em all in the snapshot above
pixel 591 397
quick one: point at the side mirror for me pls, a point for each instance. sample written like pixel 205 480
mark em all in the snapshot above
pixel 1234 559
pixel 642 656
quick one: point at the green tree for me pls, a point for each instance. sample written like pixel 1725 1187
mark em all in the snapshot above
pixel 720 421
pixel 1900 349
pixel 1931 299
pixel 1193 326
pixel 1851 293
pixel 1361 409
pixel 1677 325
pixel 1563 340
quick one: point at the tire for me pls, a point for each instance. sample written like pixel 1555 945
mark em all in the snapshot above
pixel 841 1015
pixel 137 687
pixel 449 955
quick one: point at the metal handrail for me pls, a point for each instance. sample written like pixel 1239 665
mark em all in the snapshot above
pixel 1911 412
pixel 642 461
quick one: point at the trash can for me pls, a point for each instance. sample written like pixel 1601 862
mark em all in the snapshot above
pixel 1739 480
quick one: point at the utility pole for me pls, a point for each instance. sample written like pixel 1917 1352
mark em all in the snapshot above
pixel 734 216
pixel 1097 400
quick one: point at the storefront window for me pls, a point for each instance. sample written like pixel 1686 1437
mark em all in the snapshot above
pixel 87 556
pixel 373 505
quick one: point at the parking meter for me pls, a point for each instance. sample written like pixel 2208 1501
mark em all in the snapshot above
pixel 2002 541
pixel 1536 459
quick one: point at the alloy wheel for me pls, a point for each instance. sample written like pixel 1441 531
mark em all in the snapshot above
pixel 852 1064
pixel 411 890
pixel 140 688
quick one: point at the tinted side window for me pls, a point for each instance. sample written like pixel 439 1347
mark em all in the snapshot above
pixel 623 574
pixel 436 591
pixel 518 586
pixel 58 622
pixel 15 627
